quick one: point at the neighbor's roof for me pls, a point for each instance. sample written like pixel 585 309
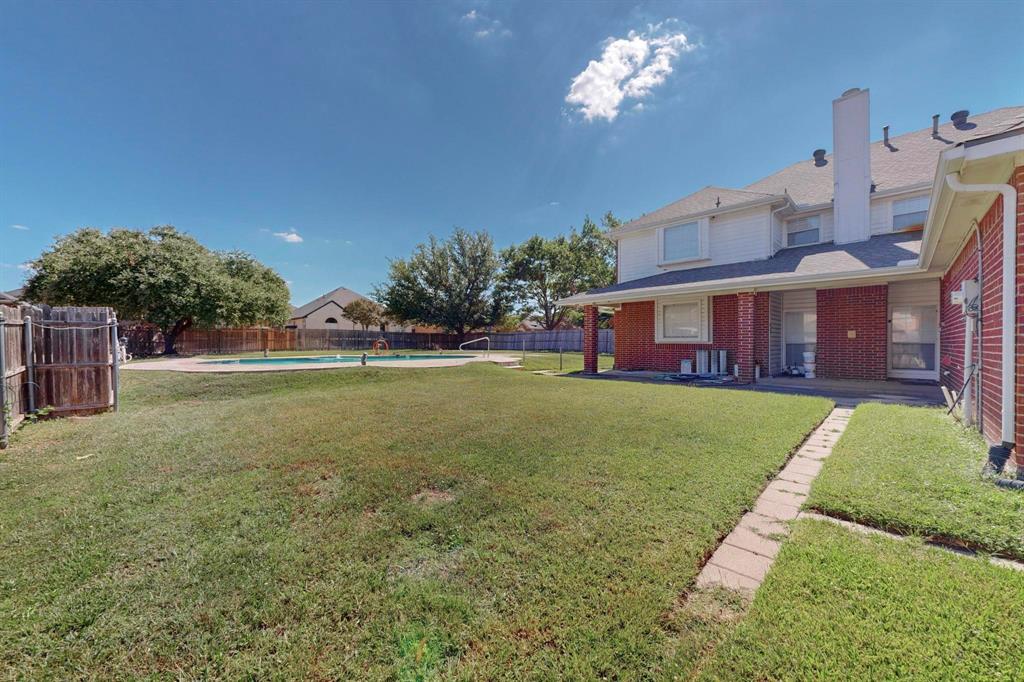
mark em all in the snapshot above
pixel 883 251
pixel 341 296
pixel 909 160
pixel 12 296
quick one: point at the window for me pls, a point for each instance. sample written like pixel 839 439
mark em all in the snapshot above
pixel 682 321
pixel 331 320
pixel 915 333
pixel 909 212
pixel 803 231
pixel 801 334
pixel 680 242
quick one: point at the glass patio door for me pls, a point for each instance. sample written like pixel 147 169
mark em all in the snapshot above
pixel 914 341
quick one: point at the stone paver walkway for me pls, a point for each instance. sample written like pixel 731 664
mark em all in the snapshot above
pixel 742 560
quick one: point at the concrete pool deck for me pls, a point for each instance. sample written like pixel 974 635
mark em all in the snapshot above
pixel 209 365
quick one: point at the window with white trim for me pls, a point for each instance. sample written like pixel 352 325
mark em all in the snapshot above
pixel 680 242
pixel 803 231
pixel 682 320
pixel 909 212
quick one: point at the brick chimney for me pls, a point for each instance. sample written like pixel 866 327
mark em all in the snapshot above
pixel 851 170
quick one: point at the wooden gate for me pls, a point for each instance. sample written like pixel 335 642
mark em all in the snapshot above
pixel 62 359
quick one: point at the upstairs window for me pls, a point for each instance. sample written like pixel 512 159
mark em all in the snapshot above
pixel 803 231
pixel 909 212
pixel 680 242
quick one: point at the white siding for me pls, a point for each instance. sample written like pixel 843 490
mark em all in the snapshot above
pixel 804 300
pixel 914 293
pixel 778 233
pixel 828 226
pixel 881 216
pixel 638 256
pixel 732 237
pixel 881 213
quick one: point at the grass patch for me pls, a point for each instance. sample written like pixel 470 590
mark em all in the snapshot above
pixel 371 523
pixel 571 362
pixel 915 471
pixel 840 605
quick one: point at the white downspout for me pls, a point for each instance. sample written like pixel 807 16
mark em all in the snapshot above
pixel 1009 301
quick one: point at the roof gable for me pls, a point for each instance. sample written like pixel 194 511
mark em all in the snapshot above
pixel 340 296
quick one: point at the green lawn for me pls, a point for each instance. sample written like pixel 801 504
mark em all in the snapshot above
pixel 571 362
pixel 915 471
pixel 838 605
pixel 467 523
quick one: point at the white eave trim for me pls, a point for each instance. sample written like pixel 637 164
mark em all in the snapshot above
pixel 626 229
pixel 756 283
pixel 950 161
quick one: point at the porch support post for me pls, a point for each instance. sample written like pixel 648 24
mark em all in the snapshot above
pixel 590 339
pixel 746 311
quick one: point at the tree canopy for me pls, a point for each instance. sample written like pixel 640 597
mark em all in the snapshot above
pixel 161 276
pixel 540 271
pixel 448 283
pixel 364 312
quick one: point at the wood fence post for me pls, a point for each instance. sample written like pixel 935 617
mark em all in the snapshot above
pixel 5 415
pixel 30 367
pixel 115 364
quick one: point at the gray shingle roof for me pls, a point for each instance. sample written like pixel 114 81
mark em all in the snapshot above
pixel 908 160
pixel 341 296
pixel 819 259
pixel 702 201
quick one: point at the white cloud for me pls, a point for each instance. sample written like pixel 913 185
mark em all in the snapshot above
pixel 25 266
pixel 291 236
pixel 629 67
pixel 555 203
pixel 19 227
pixel 484 26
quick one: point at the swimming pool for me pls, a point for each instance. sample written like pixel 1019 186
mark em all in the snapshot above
pixel 329 359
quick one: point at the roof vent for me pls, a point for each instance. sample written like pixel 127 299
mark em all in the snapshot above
pixel 959 119
pixel 935 125
pixel 819 157
pixel 851 91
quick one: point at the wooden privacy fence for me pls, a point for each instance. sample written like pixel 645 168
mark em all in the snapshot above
pixel 144 340
pixel 63 359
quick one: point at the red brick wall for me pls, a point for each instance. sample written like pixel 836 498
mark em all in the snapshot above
pixel 1017 180
pixel 745 318
pixel 964 266
pixel 590 339
pixel 761 340
pixel 951 319
pixel 864 310
pixel 635 348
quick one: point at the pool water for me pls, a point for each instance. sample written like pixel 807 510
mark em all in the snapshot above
pixel 328 359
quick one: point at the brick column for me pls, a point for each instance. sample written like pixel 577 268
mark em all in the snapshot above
pixel 746 314
pixel 590 339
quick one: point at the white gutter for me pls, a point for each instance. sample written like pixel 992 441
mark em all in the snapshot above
pixel 1009 300
pixel 751 283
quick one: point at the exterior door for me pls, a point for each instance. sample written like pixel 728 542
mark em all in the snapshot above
pixel 914 341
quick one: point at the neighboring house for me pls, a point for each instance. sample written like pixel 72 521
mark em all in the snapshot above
pixel 853 255
pixel 325 312
pixel 11 297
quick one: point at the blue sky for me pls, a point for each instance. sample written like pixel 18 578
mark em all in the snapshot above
pixel 362 128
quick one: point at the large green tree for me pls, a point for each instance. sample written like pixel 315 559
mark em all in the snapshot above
pixel 540 271
pixel 449 283
pixel 161 276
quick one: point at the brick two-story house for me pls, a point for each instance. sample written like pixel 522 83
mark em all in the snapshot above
pixel 859 256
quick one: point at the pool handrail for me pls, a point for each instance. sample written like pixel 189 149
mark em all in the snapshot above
pixel 482 338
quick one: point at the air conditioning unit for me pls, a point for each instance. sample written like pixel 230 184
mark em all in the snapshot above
pixel 703 361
